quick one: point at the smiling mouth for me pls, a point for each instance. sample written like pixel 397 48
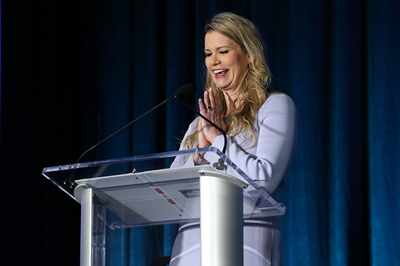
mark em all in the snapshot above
pixel 220 72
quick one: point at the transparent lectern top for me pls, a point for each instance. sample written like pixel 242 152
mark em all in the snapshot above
pixel 142 190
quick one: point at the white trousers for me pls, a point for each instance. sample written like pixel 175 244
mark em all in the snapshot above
pixel 262 244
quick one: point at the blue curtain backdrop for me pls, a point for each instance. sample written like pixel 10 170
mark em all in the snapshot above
pixel 74 72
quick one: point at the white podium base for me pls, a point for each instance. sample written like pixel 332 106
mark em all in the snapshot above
pixel 221 219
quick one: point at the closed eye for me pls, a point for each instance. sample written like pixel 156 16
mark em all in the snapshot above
pixel 223 52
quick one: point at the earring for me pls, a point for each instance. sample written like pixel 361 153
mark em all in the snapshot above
pixel 249 65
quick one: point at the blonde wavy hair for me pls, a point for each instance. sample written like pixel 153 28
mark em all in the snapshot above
pixel 255 83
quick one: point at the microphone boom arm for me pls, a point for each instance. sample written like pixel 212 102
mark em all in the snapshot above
pixel 115 133
pixel 202 116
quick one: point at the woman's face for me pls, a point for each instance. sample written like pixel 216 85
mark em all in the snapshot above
pixel 225 61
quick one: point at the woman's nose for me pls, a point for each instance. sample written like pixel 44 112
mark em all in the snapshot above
pixel 215 60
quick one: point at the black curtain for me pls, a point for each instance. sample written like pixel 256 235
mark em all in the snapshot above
pixel 73 72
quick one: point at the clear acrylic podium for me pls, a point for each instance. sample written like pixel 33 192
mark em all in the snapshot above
pixel 143 190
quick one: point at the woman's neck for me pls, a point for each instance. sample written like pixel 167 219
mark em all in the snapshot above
pixel 231 106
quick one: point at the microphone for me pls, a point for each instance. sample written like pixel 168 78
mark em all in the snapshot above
pixel 192 88
pixel 183 93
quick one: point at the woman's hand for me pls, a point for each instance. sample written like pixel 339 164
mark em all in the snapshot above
pixel 211 110
pixel 207 132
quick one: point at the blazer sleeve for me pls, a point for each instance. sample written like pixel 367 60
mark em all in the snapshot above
pixel 270 159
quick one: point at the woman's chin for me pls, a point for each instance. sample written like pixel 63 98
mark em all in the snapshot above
pixel 223 85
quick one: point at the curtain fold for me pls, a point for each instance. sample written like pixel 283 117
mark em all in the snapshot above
pixel 383 129
pixel 346 149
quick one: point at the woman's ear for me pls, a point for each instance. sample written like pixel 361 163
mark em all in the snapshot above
pixel 249 60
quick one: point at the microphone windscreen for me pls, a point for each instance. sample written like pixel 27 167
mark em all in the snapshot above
pixel 186 91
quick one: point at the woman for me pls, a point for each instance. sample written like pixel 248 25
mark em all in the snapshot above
pixel 262 129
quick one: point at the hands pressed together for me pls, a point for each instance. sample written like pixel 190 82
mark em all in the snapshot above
pixel 209 108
